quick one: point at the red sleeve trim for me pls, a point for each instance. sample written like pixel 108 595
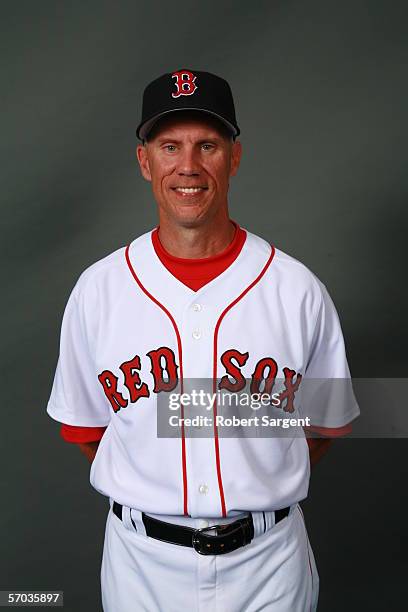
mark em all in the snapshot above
pixel 78 435
pixel 331 432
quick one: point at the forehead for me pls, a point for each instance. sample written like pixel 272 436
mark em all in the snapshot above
pixel 189 124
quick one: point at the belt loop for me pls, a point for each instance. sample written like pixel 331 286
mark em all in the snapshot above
pixel 259 525
pixel 269 520
pixel 127 519
pixel 136 518
pixel 263 521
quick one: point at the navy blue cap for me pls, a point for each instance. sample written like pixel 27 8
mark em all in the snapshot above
pixel 187 90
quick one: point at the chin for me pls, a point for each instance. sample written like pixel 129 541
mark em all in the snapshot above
pixel 189 216
pixel 189 220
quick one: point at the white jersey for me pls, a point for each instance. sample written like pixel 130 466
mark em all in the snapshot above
pixel 128 315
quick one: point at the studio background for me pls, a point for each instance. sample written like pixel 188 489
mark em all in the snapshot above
pixel 321 98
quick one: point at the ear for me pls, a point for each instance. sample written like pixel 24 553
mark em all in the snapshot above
pixel 236 154
pixel 141 154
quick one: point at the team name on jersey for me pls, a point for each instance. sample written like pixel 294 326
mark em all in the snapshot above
pixel 166 376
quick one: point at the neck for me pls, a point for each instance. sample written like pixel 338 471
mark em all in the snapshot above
pixel 196 242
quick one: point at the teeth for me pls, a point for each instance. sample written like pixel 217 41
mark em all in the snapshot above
pixel 189 189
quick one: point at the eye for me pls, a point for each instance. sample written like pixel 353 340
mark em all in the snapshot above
pixel 170 148
pixel 207 146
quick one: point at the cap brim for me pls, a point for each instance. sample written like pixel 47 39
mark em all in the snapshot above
pixel 145 127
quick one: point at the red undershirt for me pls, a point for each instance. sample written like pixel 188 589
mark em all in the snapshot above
pixel 195 273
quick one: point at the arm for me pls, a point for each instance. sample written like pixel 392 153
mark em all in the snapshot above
pixel 76 399
pixel 87 438
pixel 317 448
pixel 89 449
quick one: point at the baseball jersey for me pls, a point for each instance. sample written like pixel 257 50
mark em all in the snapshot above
pixel 128 319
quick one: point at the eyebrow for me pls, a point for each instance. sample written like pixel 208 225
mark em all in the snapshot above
pixel 212 138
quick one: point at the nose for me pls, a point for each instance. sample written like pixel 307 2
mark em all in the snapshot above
pixel 188 162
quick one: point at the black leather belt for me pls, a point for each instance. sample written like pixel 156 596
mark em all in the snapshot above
pixel 227 537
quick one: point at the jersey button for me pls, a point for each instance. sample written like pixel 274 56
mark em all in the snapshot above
pixel 197 307
pixel 196 334
pixel 203 489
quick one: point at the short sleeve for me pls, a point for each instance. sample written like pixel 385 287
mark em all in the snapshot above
pixel 77 397
pixel 81 435
pixel 327 395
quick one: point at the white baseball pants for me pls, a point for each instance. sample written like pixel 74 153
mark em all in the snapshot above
pixel 276 572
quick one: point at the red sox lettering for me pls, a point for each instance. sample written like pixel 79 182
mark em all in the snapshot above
pixel 264 372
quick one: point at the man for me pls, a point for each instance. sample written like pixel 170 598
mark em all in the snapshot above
pixel 197 522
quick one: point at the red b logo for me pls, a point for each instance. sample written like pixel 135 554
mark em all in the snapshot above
pixel 184 83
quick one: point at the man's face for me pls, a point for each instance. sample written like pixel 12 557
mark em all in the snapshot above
pixel 189 159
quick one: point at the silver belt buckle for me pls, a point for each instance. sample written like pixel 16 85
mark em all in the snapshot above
pixel 200 546
pixel 207 548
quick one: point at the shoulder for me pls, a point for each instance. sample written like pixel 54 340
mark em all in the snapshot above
pixel 287 271
pixel 108 272
pixel 296 271
pixel 108 264
pixel 98 275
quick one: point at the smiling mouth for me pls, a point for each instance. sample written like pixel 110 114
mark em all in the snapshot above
pixel 188 191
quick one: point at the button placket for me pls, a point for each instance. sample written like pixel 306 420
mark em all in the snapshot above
pixel 197 332
pixel 197 326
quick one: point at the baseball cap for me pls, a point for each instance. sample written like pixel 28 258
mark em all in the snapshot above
pixel 187 90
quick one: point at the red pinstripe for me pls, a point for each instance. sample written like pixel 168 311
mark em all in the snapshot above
pixel 180 352
pixel 217 327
